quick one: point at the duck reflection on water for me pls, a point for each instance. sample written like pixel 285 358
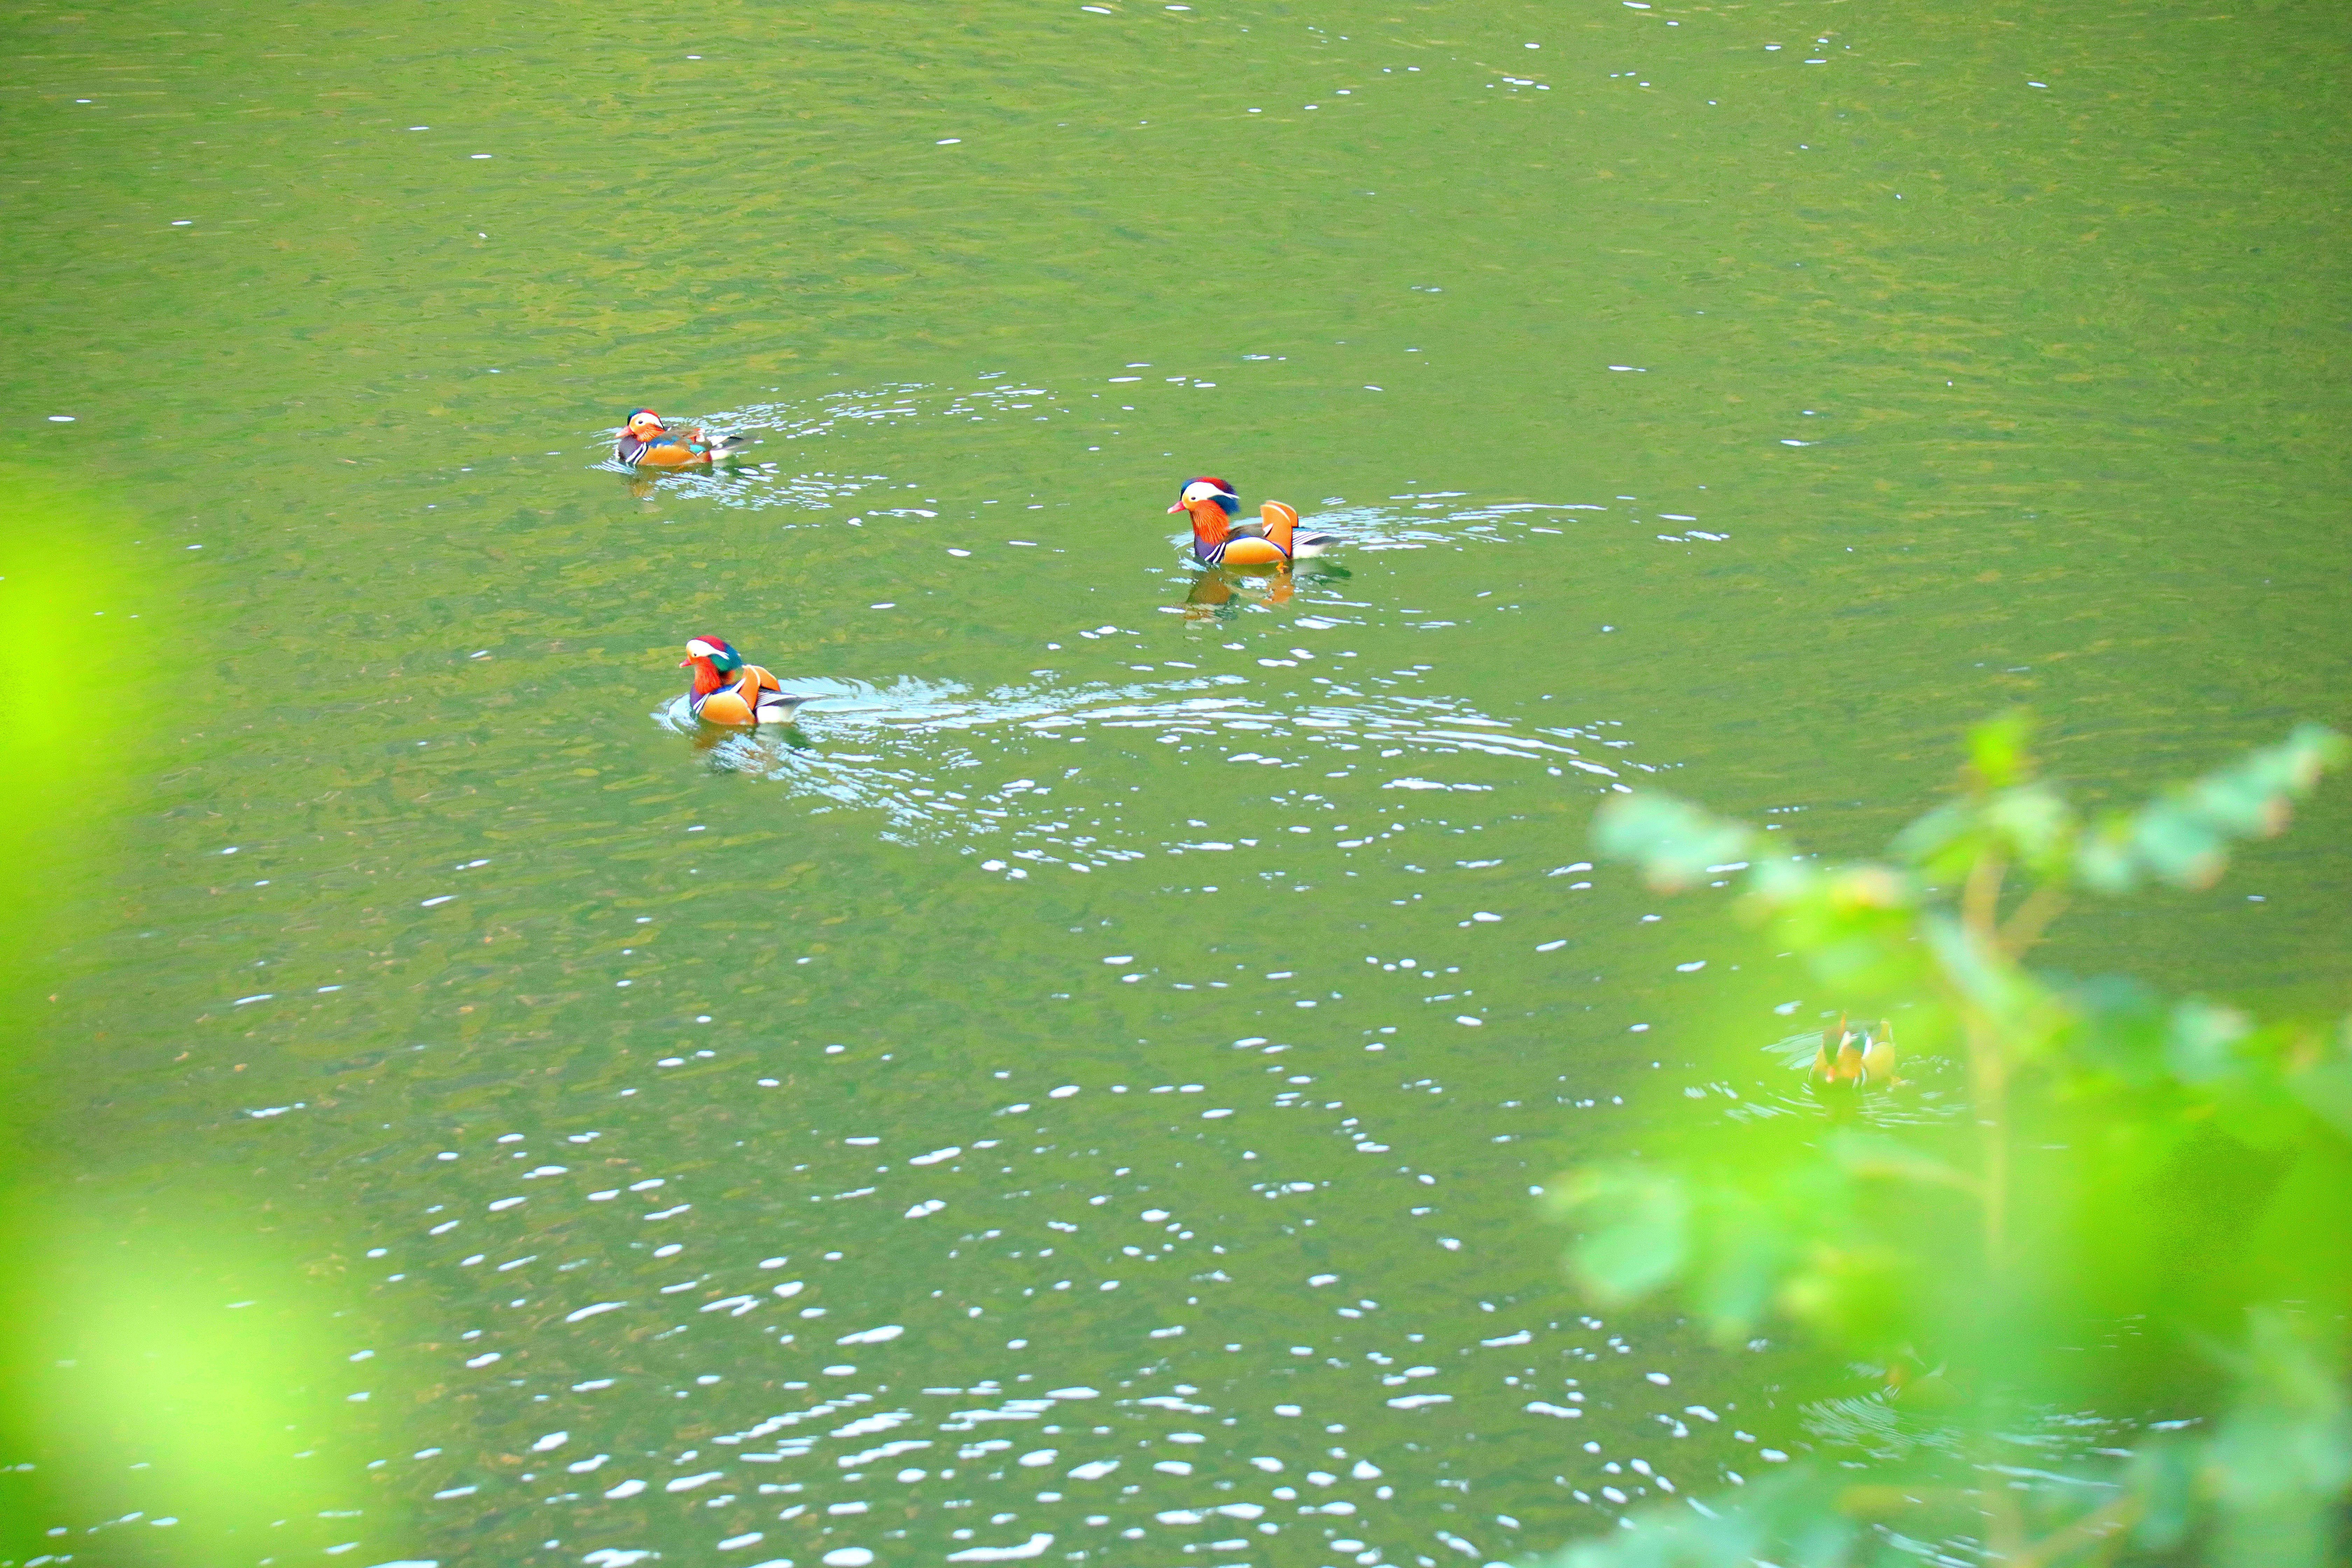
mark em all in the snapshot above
pixel 645 485
pixel 1221 593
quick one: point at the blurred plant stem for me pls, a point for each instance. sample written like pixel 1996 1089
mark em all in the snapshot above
pixel 2149 1213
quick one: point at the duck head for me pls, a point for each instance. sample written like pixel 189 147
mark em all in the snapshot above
pixel 644 424
pixel 712 659
pixel 1200 491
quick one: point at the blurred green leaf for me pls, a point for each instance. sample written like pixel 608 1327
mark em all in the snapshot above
pixel 1636 1228
pixel 1998 753
pixel 1865 1295
pixel 1672 841
pixel 2325 1088
pixel 2283 1456
pixel 1931 836
pixel 2163 1480
pixel 2301 1241
pixel 1790 1520
pixel 2199 1041
pixel 2183 836
pixel 1855 926
pixel 2122 1027
pixel 2103 860
pixel 1748 1245
pixel 1877 1155
pixel 1986 978
pixel 118 1343
pixel 2035 822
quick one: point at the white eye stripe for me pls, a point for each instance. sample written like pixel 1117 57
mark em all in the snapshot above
pixel 700 650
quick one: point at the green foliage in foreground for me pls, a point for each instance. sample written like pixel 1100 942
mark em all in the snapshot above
pixel 115 1348
pixel 2103 1274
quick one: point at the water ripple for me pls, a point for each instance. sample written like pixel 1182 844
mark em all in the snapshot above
pixel 919 753
pixel 1410 521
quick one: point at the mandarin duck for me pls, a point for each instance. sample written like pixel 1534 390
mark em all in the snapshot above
pixel 726 690
pixel 645 443
pixel 1848 1061
pixel 1274 540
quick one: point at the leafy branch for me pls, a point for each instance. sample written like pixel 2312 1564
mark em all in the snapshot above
pixel 2113 1158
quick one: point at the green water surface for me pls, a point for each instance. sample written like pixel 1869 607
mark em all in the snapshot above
pixel 1076 1096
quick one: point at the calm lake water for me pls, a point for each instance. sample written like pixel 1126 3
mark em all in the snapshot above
pixel 1079 1096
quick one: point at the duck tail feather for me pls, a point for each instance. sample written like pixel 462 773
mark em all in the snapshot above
pixel 777 708
pixel 1280 519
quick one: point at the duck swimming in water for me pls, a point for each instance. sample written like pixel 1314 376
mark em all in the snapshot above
pixel 726 690
pixel 645 443
pixel 1851 1061
pixel 1274 540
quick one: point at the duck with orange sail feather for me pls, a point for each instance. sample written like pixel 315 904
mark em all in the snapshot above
pixel 1848 1061
pixel 646 442
pixel 1274 540
pixel 726 691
